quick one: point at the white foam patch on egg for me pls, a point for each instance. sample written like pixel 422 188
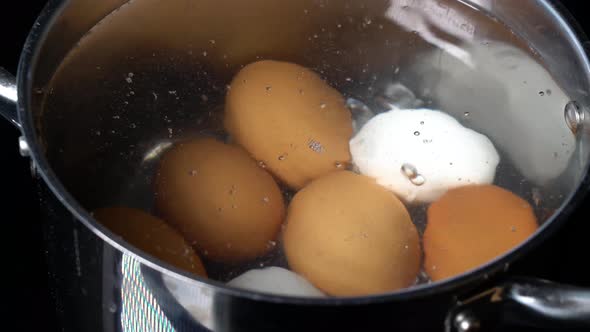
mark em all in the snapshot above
pixel 420 154
pixel 277 281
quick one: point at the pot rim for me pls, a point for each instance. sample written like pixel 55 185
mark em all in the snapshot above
pixel 27 65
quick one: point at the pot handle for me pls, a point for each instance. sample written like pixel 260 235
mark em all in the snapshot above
pixel 8 97
pixel 525 303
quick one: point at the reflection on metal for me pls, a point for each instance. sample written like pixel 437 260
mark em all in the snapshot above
pixel 197 301
pixel 465 322
pixel 424 17
pixel 7 86
pixel 155 152
pixel 140 311
pixel 8 97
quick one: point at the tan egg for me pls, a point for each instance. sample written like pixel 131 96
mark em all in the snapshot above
pixel 151 235
pixel 220 199
pixel 470 226
pixel 350 237
pixel 287 117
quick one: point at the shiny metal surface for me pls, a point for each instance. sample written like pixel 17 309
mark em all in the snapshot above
pixel 466 322
pixel 523 302
pixel 95 272
pixel 8 97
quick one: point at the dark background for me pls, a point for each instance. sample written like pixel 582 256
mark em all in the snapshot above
pixel 562 258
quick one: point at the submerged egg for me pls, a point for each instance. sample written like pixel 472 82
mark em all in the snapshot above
pixel 349 236
pixel 472 225
pixel 151 235
pixel 287 117
pixel 275 280
pixel 220 199
pixel 420 154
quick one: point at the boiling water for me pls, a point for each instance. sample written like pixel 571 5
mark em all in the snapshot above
pixel 156 72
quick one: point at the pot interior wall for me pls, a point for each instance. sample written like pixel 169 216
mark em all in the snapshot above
pixel 156 72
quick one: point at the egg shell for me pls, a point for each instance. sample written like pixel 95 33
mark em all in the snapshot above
pixel 441 153
pixel 151 235
pixel 472 225
pixel 220 199
pixel 349 237
pixel 287 117
pixel 277 281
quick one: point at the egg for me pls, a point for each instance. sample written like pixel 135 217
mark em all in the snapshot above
pixel 419 154
pixel 277 281
pixel 290 120
pixel 472 225
pixel 349 236
pixel 151 235
pixel 220 199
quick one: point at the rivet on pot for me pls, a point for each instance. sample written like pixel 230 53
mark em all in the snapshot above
pixel 574 116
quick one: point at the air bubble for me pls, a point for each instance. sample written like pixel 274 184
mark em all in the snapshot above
pixel 282 157
pixel 466 114
pixel 193 172
pixel 338 164
pixel 418 180
pixel 323 105
pixel 416 133
pixel 541 93
pixel 262 164
pixel 409 171
pixel 268 88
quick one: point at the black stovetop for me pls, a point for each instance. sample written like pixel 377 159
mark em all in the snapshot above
pixel 561 258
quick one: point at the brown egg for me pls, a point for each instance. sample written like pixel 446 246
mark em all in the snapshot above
pixel 151 235
pixel 287 117
pixel 470 226
pixel 349 236
pixel 220 199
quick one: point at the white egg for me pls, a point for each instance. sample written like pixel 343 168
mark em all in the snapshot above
pixel 420 154
pixel 277 281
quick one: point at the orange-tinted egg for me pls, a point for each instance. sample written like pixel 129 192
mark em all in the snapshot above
pixel 287 117
pixel 220 199
pixel 349 236
pixel 151 235
pixel 470 226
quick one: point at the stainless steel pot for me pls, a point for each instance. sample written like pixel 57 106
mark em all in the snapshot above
pixel 103 284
